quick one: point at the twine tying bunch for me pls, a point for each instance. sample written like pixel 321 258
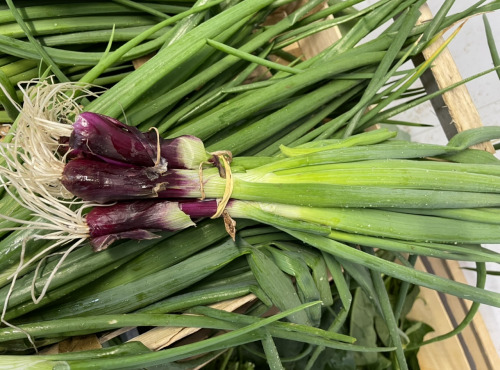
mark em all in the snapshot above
pixel 222 159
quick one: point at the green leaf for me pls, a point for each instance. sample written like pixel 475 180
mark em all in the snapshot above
pixel 491 43
pixel 363 327
pixel 292 264
pixel 382 330
pixel 276 285
pixel 410 300
pixel 416 332
pixel 331 359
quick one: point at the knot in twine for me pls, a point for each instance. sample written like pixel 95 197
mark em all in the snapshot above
pixel 221 160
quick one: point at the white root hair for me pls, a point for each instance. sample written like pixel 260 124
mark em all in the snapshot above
pixel 46 115
pixel 31 173
pixel 55 220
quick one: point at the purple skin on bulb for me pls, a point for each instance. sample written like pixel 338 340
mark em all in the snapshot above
pixel 104 138
pixel 103 182
pixel 198 208
pixel 111 141
pixel 175 151
pixel 139 219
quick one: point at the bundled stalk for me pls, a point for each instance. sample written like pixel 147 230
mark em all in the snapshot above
pixel 300 192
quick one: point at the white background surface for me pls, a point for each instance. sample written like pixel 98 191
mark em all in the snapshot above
pixel 471 54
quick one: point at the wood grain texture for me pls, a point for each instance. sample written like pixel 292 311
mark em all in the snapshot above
pixel 315 44
pixel 161 337
pixel 473 348
pixel 445 355
pixel 455 109
pixel 74 344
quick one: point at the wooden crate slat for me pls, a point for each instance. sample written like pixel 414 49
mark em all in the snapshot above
pixel 474 346
pixel 455 109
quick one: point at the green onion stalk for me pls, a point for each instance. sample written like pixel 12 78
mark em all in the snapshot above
pixel 305 192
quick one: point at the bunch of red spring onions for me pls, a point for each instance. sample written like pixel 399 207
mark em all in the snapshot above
pixel 147 183
pixel 309 190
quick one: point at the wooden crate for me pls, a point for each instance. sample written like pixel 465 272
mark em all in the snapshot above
pixel 473 348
